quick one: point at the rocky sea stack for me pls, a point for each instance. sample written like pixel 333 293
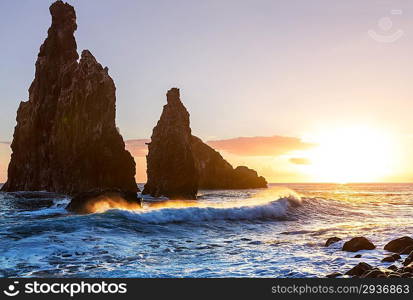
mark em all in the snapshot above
pixel 180 163
pixel 171 167
pixel 216 173
pixel 66 139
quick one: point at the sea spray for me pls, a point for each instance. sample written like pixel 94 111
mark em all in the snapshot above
pixel 250 209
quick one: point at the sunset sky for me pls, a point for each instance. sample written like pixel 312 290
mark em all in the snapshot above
pixel 301 91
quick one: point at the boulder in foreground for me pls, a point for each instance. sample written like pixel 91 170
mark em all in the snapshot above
pixel 357 244
pixel 359 269
pixel 399 245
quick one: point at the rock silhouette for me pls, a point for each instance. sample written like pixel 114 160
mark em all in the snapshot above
pixel 332 240
pixel 102 200
pixel 357 244
pixel 171 168
pixel 399 245
pixel 66 139
pixel 216 173
pixel 180 163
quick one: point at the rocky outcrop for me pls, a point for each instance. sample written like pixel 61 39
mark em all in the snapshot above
pixel 399 245
pixel 359 269
pixel 364 270
pixel 357 244
pixel 216 173
pixel 102 200
pixel 179 163
pixel 171 168
pixel 66 139
pixel 332 240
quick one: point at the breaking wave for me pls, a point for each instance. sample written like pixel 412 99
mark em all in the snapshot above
pixel 276 210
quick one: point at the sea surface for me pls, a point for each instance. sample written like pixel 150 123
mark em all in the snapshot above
pixel 276 232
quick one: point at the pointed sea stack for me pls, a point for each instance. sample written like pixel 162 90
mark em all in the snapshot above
pixel 216 173
pixel 171 166
pixel 180 163
pixel 66 139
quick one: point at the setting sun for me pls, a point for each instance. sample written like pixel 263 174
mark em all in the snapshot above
pixel 351 154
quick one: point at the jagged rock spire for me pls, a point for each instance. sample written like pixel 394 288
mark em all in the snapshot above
pixel 171 167
pixel 66 139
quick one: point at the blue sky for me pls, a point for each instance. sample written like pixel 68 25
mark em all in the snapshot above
pixel 244 67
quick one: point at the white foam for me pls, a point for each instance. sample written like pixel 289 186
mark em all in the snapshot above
pixel 270 210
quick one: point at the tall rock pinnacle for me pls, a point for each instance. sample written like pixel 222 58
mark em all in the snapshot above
pixel 179 163
pixel 66 139
pixel 171 166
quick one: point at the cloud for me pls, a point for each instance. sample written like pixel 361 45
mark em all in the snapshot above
pixel 137 147
pixel 300 161
pixel 260 145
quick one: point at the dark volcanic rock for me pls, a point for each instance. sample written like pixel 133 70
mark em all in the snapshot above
pixel 409 259
pixel 66 140
pixel 216 173
pixel 389 259
pixel 374 273
pixel 407 250
pixel 101 200
pixel 334 275
pixel 32 200
pixel 392 267
pixel 359 269
pixel 358 243
pixel 398 245
pixel 332 240
pixel 171 167
pixel 180 163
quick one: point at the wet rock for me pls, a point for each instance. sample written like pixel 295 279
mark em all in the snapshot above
pixel 406 275
pixel 409 259
pixel 332 240
pixel 32 200
pixel 359 269
pixel 357 256
pixel 391 258
pixel 216 173
pixel 406 250
pixel 357 244
pixel 392 267
pixel 375 273
pixel 388 259
pixel 334 275
pixel 408 268
pixel 398 245
pixel 171 167
pixel 66 139
pixel 101 200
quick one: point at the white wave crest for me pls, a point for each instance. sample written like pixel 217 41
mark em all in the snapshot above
pixel 276 209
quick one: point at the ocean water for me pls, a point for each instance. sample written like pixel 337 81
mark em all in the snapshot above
pixel 277 232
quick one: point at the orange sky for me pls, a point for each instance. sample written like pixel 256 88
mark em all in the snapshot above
pixel 287 159
pixel 296 74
